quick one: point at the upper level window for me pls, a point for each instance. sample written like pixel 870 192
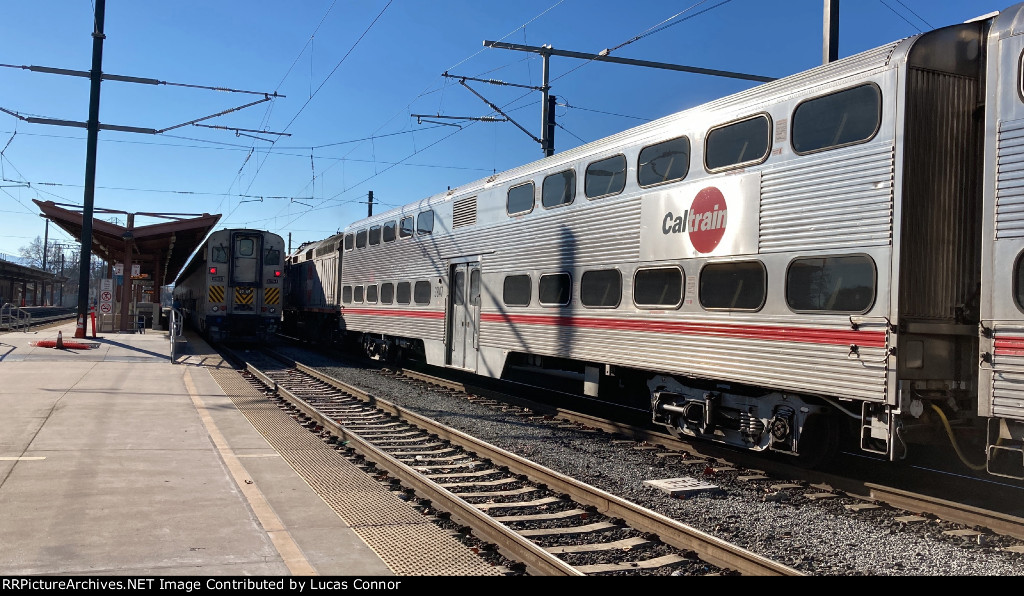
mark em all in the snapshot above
pixel 350 241
pixel 520 199
pixel 554 289
pixel 425 222
pixel 388 232
pixel 516 290
pixel 740 286
pixel 831 284
pixel 558 189
pixel 346 294
pixel 405 227
pixel 374 235
pixel 660 287
pixel 421 292
pixel 663 162
pixel 740 143
pixel 361 239
pixel 838 119
pixel 601 288
pixel 371 294
pixel 387 293
pixel 605 177
pixel 357 294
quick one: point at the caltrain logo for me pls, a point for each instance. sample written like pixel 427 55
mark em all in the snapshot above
pixel 705 220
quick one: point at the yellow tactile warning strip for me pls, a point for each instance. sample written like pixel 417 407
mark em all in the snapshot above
pixel 407 542
pixel 279 536
pixel 217 294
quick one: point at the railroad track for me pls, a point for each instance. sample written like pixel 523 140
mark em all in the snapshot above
pixel 864 494
pixel 551 523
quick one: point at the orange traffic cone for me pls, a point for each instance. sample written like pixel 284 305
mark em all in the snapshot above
pixel 60 340
pixel 80 331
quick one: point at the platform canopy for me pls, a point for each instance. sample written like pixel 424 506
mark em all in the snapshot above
pixel 160 249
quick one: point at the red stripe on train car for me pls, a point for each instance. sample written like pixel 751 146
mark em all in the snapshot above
pixel 389 312
pixel 871 339
pixel 1009 346
pixel 868 339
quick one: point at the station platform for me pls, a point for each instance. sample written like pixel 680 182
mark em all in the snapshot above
pixel 117 461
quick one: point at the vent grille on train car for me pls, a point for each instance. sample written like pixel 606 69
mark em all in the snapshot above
pixel 464 212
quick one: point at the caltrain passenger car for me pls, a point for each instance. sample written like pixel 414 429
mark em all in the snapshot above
pixel 832 256
pixel 231 288
pixel 312 308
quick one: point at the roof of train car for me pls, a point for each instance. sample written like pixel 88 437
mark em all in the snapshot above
pixel 875 58
pixel 160 249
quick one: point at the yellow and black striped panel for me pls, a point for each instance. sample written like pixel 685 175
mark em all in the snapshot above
pixel 244 295
pixel 272 296
pixel 216 293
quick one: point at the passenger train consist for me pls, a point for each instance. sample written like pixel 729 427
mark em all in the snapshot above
pixel 231 288
pixel 837 253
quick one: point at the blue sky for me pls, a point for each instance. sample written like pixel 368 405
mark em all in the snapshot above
pixel 349 75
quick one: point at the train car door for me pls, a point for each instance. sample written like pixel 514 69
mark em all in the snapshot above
pixel 246 251
pixel 463 315
pixel 1001 329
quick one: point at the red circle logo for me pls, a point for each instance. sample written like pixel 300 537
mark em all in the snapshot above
pixel 707 219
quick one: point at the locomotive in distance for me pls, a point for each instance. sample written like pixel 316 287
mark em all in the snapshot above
pixel 828 259
pixel 231 288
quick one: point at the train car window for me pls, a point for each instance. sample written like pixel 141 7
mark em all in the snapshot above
pixel 361 239
pixel 357 294
pixel 459 288
pixel 831 284
pixel 838 119
pixel 272 256
pixel 346 294
pixel 246 247
pixel 740 143
pixel 421 292
pixel 374 235
pixel 554 289
pixel 520 199
pixel 558 189
pixel 219 254
pixel 663 162
pixel 605 178
pixel 474 288
pixel 425 222
pixel 601 288
pixel 516 290
pixel 658 288
pixel 403 295
pixel 350 241
pixel 387 293
pixel 737 286
pixel 405 227
pixel 371 294
pixel 1018 281
pixel 389 231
